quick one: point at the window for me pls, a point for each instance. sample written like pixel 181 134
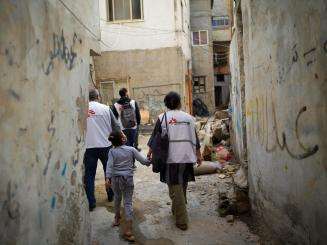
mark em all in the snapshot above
pixel 122 10
pixel 220 21
pixel 199 84
pixel 200 37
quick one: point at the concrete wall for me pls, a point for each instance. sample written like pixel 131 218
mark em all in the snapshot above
pixel 44 75
pixel 222 8
pixel 285 51
pixel 162 27
pixel 202 56
pixel 148 74
pixel 237 91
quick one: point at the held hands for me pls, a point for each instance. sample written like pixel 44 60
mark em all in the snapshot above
pixel 149 155
pixel 108 183
pixel 149 158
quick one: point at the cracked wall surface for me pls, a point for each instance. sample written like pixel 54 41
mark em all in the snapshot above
pixel 285 104
pixel 44 72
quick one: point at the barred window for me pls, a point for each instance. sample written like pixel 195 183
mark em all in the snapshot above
pixel 199 84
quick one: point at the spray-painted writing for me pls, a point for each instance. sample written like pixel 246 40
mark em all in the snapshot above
pixel 61 51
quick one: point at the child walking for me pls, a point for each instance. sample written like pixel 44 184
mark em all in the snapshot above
pixel 119 175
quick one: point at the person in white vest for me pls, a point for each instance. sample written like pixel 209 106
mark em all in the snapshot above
pixel 183 154
pixel 100 123
pixel 128 114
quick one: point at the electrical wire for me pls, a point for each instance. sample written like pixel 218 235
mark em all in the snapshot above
pixel 78 20
pixel 82 24
pixel 207 51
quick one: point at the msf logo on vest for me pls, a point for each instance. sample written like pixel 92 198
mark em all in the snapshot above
pixel 91 113
pixel 172 121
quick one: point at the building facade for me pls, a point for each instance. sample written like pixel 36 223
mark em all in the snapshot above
pixel 278 60
pixel 45 51
pixel 221 32
pixel 145 48
pixel 202 52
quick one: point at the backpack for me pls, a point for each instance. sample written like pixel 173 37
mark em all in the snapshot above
pixel 127 116
pixel 160 147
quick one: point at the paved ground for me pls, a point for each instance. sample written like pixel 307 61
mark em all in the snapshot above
pixel 154 223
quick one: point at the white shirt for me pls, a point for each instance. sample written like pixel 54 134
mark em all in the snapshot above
pixel 99 125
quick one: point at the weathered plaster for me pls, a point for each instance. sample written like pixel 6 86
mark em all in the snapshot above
pixel 44 72
pixel 148 74
pixel 285 94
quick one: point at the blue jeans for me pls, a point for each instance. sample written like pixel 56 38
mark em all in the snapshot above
pixel 130 135
pixel 91 157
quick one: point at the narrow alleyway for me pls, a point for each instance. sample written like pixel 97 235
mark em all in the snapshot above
pixel 154 223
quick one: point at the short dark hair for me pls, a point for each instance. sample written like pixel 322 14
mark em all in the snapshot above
pixel 172 100
pixel 116 138
pixel 93 94
pixel 123 92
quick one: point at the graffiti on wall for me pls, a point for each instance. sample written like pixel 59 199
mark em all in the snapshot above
pixel 152 98
pixel 307 57
pixel 264 126
pixel 11 205
pixel 62 52
pixel 262 109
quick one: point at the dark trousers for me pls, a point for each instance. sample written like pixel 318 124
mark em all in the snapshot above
pixel 91 157
pixel 130 135
pixel 136 143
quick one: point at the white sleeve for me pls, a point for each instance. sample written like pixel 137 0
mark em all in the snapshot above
pixel 140 157
pixel 110 165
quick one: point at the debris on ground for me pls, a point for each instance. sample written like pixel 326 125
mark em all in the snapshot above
pixel 218 158
pixel 221 176
pixel 208 167
pixel 240 179
pixel 223 154
pixel 221 114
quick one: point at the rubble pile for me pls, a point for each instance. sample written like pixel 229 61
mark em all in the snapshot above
pixel 214 135
pixel 218 158
pixel 233 194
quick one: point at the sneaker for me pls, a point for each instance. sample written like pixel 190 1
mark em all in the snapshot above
pixel 183 227
pixel 92 207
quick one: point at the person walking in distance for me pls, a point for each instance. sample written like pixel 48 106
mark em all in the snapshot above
pixel 128 114
pixel 101 122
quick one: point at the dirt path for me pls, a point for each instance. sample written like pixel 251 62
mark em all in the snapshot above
pixel 154 223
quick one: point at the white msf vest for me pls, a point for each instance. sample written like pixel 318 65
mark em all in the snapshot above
pixel 182 138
